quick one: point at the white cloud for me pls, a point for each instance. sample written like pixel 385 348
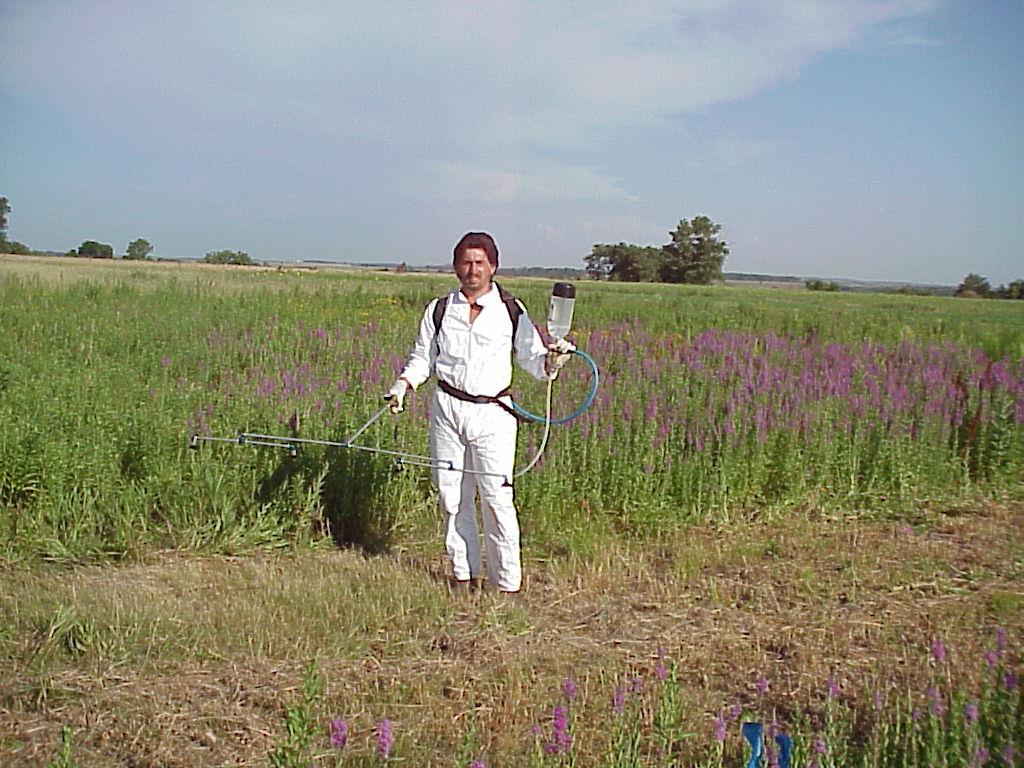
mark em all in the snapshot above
pixel 458 95
pixel 553 182
pixel 598 62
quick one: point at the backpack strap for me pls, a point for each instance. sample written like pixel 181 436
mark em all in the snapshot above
pixel 515 311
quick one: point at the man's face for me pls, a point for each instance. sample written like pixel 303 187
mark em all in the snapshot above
pixel 474 270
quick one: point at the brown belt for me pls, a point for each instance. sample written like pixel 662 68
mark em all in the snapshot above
pixel 458 394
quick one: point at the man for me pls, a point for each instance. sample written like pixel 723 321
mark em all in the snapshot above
pixel 468 340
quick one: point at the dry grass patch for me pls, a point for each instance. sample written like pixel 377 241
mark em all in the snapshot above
pixel 192 661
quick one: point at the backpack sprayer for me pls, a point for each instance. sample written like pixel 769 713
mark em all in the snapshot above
pixel 560 310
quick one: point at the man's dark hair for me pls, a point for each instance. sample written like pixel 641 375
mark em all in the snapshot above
pixel 480 240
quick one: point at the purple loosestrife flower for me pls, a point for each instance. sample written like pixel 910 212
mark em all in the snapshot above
pixel 561 739
pixel 385 739
pixel 832 687
pixel 762 685
pixel 720 729
pixel 619 700
pixel 820 746
pixel 1001 641
pixel 569 689
pixel 661 671
pixel 980 757
pixel 938 650
pixel 1009 756
pixel 991 658
pixel 339 734
pixel 971 713
pixel 165 361
pixel 477 764
pixel 938 708
pixel 1011 681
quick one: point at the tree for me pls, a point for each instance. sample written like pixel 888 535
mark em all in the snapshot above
pixel 1015 290
pixel 93 250
pixel 227 257
pixel 5 208
pixel 695 254
pixel 623 262
pixel 973 286
pixel 138 250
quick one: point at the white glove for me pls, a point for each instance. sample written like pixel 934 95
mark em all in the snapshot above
pixel 396 395
pixel 559 353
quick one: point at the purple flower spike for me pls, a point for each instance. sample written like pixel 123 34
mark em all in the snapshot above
pixel 660 671
pixel 1000 640
pixel 991 657
pixel 971 713
pixel 339 734
pixel 832 687
pixel 569 689
pixel 761 684
pixel 165 361
pixel 619 700
pixel 561 738
pixel 980 757
pixel 720 729
pixel 385 739
pixel 820 746
pixel 1011 681
pixel 477 764
pixel 938 650
pixel 938 708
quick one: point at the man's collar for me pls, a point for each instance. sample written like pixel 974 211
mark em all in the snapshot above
pixel 488 298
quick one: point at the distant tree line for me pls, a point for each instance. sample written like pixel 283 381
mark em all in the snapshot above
pixel 694 255
pixel 137 250
pixel 977 287
pixel 9 246
pixel 227 257
pixel 821 285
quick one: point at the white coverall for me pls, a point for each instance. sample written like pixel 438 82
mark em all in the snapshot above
pixel 477 359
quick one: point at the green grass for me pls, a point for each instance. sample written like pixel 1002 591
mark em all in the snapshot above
pixel 104 374
pixel 166 606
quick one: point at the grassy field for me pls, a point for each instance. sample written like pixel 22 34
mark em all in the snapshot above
pixel 780 502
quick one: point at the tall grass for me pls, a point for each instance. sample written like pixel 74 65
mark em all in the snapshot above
pixel 713 400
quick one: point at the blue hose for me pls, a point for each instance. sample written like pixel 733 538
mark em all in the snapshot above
pixel 594 380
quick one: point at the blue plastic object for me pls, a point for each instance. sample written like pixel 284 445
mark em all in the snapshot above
pixel 752 733
pixel 594 380
pixel 785 749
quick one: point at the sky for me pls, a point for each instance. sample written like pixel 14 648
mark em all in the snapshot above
pixel 864 139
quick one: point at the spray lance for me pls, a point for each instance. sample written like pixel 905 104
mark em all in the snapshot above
pixel 559 323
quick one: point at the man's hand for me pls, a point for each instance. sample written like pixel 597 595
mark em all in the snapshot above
pixel 396 395
pixel 559 353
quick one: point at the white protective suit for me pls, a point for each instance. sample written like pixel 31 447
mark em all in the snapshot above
pixel 477 359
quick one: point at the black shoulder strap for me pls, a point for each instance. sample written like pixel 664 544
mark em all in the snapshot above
pixel 439 308
pixel 515 310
